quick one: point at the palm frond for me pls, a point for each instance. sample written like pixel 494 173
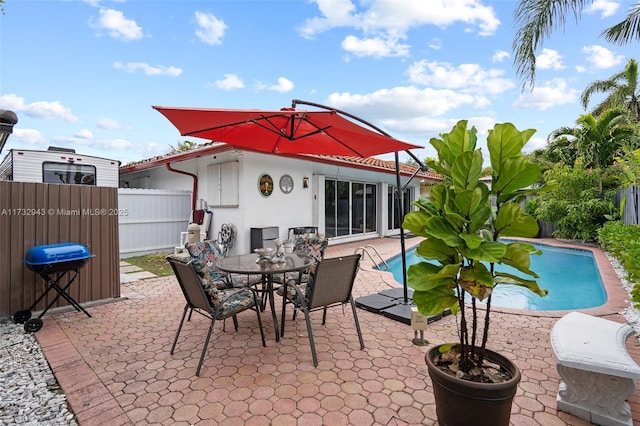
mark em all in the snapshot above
pixel 535 20
pixel 627 30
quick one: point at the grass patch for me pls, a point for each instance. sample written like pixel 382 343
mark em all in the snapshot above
pixel 154 263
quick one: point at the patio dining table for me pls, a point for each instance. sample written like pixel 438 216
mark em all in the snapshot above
pixel 248 264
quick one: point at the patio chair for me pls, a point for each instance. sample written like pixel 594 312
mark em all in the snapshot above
pixel 205 255
pixel 210 302
pixel 329 285
pixel 310 245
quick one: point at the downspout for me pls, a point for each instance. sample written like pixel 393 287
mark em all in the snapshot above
pixel 194 195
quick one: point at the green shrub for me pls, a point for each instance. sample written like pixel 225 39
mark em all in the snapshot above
pixel 623 243
pixel 577 203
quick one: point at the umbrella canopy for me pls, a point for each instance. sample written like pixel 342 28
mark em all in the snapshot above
pixel 287 131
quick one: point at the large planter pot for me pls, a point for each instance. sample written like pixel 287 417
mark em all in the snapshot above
pixel 461 402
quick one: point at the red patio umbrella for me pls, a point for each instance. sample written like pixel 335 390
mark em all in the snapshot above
pixel 296 131
pixel 287 131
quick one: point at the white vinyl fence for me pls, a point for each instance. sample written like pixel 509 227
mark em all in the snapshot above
pixel 150 220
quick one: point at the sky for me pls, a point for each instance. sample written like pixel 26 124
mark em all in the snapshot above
pixel 85 74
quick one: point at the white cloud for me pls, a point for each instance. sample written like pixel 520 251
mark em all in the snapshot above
pixel 606 7
pixel 376 47
pixel 383 22
pixel 335 13
pixel 28 136
pixel 210 29
pixel 117 25
pixel 132 67
pixel 230 82
pixel 107 123
pixel 602 57
pixel 40 109
pixel 284 85
pixel 463 77
pixel 535 143
pixel 500 55
pixel 84 134
pixel 549 59
pixel 401 102
pixel 550 94
pixel 112 144
pixel 398 17
pixel 79 139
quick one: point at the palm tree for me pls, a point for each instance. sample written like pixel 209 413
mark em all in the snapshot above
pixel 536 19
pixel 622 88
pixel 561 146
pixel 597 139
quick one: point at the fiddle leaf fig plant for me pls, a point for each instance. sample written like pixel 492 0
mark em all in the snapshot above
pixel 462 220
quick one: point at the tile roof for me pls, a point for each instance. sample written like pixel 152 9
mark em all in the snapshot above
pixel 207 148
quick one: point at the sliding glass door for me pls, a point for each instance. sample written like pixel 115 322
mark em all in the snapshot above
pixel 350 208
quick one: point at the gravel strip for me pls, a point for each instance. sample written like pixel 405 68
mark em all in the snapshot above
pixel 29 392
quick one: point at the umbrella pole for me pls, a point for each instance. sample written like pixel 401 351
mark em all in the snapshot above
pixel 400 209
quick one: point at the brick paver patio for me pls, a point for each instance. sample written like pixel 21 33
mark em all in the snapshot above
pixel 115 367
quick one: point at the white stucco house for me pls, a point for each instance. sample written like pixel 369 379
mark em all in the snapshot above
pixel 346 198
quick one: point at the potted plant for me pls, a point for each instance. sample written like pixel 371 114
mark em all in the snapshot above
pixel 461 220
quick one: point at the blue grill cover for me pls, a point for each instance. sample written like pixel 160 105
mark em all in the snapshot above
pixel 56 253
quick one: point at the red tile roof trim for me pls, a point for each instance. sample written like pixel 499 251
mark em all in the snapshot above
pixel 209 148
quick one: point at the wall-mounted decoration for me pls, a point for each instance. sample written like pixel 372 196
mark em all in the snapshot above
pixel 305 182
pixel 286 184
pixel 265 185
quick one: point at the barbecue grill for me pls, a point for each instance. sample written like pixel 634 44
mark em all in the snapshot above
pixel 53 262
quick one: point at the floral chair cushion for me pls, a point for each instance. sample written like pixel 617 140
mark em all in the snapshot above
pixel 312 246
pixel 291 293
pixel 234 300
pixel 205 256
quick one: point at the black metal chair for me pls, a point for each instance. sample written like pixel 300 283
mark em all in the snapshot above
pixel 329 285
pixel 211 302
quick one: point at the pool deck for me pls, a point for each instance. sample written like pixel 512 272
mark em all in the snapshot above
pixel 115 367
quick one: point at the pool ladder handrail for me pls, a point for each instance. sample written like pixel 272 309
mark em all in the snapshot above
pixel 367 250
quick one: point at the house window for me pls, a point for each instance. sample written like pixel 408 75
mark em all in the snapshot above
pixel 350 208
pixel 222 181
pixel 68 173
pixel 393 217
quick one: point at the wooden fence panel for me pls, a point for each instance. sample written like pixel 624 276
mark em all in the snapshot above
pixel 38 213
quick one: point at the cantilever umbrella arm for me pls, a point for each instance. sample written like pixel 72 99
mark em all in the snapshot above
pixel 401 188
pixel 422 167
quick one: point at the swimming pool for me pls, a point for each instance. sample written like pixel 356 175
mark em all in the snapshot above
pixel 570 275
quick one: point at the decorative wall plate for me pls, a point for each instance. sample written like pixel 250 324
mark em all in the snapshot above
pixel 265 185
pixel 286 184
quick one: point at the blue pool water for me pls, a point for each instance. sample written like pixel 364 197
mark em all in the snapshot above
pixel 570 275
